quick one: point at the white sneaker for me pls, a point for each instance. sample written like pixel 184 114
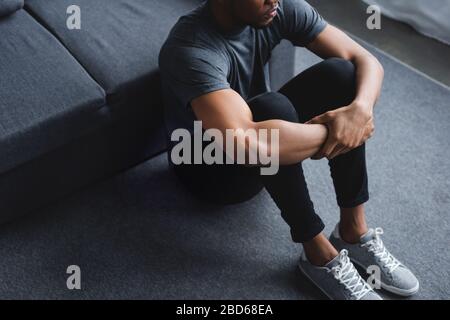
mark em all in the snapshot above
pixel 338 279
pixel 370 251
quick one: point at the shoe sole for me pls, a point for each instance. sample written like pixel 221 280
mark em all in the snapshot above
pixel 395 290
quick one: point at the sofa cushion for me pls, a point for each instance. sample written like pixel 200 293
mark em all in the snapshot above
pixel 119 41
pixel 46 97
pixel 8 7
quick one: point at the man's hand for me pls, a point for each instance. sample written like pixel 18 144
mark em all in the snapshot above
pixel 348 128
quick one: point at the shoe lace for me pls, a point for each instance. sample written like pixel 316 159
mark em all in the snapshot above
pixel 347 275
pixel 379 250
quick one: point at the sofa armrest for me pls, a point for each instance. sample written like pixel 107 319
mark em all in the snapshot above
pixel 8 7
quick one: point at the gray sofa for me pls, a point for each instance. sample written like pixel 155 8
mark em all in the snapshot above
pixel 77 106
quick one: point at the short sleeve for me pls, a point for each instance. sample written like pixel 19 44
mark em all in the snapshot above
pixel 301 23
pixel 190 72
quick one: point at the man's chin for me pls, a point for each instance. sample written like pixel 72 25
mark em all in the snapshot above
pixel 263 24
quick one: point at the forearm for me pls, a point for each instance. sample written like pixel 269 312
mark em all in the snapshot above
pixel 369 80
pixel 297 141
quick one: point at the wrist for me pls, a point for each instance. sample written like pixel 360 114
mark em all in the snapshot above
pixel 322 136
pixel 323 129
pixel 366 108
pixel 319 134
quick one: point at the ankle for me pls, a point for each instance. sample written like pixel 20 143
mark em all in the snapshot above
pixel 353 224
pixel 352 233
pixel 319 251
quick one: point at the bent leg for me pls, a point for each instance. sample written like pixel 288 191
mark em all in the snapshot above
pixel 288 187
pixel 326 86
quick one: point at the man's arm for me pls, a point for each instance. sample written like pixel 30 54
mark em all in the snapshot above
pixel 225 109
pixel 352 125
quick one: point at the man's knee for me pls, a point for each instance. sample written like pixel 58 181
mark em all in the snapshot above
pixel 342 73
pixel 272 105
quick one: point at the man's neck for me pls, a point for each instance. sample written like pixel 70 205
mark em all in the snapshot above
pixel 222 12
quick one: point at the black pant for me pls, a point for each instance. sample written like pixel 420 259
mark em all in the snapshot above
pixel 321 88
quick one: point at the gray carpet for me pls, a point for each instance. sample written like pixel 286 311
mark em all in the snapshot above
pixel 142 235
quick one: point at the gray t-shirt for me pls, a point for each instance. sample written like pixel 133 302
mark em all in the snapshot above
pixel 198 58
